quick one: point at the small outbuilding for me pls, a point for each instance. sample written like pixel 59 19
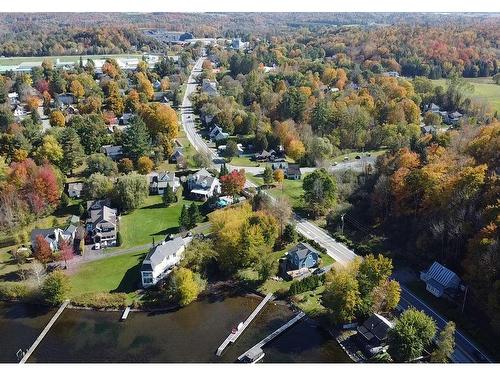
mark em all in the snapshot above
pixel 439 280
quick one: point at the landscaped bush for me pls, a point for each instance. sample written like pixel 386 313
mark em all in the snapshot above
pixel 101 300
pixel 14 291
pixel 306 284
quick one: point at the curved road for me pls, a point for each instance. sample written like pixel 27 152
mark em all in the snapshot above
pixel 465 350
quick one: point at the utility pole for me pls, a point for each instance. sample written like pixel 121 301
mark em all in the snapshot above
pixel 342 218
pixel 465 298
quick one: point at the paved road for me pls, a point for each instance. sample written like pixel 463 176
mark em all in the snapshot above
pixel 338 251
pixel 464 348
pixel 309 230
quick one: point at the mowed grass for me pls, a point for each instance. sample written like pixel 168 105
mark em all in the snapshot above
pixel 292 189
pixel 243 161
pixel 484 89
pixel 152 219
pixel 119 273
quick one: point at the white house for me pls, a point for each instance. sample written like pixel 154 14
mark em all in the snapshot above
pixel 217 134
pixel 203 185
pixel 161 259
pixel 53 236
pixel 440 280
pixel 102 222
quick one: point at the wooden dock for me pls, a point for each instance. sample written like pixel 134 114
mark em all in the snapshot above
pixel 234 336
pixel 45 331
pixel 257 349
pixel 125 313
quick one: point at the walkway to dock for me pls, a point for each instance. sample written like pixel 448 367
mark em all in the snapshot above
pixel 234 336
pixel 44 332
pixel 258 347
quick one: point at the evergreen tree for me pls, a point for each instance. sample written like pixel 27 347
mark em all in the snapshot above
pixel 136 141
pixel 193 215
pixel 268 175
pixel 223 170
pixel 289 234
pixel 184 218
pixel 72 149
pixel 168 195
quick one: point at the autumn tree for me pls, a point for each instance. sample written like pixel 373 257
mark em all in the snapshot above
pixel 279 176
pixel 77 89
pixel 233 183
pixel 125 165
pixel 42 250
pixel 144 85
pixel 66 251
pixel 144 165
pixel 445 344
pixel 341 296
pixel 50 150
pixel 185 286
pixel 57 118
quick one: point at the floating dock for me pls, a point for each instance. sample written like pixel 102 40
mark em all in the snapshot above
pixel 234 336
pixel 125 313
pixel 44 332
pixel 255 353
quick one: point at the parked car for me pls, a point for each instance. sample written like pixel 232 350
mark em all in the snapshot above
pixel 358 157
pixel 346 158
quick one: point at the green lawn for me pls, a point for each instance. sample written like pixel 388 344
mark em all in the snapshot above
pixel 484 89
pixel 152 219
pixel 114 274
pixel 243 161
pixel 292 189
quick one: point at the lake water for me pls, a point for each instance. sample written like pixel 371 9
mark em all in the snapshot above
pixel 191 334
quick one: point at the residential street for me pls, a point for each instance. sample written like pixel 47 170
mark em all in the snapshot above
pixel 336 250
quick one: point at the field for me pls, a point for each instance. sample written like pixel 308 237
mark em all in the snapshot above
pixel 484 89
pixel 152 219
pixel 114 274
pixel 6 61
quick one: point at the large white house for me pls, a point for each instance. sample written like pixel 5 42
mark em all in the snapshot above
pixel 203 185
pixel 161 259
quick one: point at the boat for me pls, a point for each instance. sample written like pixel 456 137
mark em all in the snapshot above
pixel 125 313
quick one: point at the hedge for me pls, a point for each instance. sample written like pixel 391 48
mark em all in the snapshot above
pixel 101 300
pixel 306 284
pixel 14 291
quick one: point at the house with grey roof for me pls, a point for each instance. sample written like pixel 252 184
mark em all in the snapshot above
pixel 54 236
pixel 302 255
pixel 202 185
pixel 113 152
pixel 161 260
pixel 439 280
pixel 293 172
pixel 217 134
pixel 372 334
pixel 75 189
pixel 210 87
pixel 102 222
pixel 158 182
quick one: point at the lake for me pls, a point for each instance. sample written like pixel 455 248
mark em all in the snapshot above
pixel 191 334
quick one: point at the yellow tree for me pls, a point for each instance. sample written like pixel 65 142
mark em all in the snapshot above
pixel 165 84
pixel 279 176
pixel 50 150
pixel 295 149
pixel 32 103
pixel 144 165
pixel 160 118
pixel 57 118
pixel 144 85
pixel 77 89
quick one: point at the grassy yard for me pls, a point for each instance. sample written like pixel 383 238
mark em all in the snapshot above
pixel 484 89
pixel 243 161
pixel 292 189
pixel 152 219
pixel 352 155
pixel 114 274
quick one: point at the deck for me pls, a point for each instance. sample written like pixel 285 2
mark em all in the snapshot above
pixel 44 332
pixel 257 348
pixel 234 336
